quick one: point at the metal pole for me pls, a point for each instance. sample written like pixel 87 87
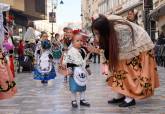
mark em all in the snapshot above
pixel 52 22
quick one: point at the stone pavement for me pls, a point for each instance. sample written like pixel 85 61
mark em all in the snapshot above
pixel 35 98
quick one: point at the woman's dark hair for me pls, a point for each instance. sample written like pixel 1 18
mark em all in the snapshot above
pixel 42 33
pixel 57 34
pixel 108 38
pixel 161 35
pixel 66 28
pixel 31 24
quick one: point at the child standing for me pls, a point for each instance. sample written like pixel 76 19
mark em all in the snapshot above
pixel 45 70
pixel 76 69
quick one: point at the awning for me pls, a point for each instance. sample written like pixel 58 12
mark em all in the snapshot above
pixel 159 11
pixel 4 7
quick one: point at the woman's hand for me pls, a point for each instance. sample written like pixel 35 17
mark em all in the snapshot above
pixel 93 49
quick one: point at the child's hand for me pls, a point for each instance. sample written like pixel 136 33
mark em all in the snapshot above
pixel 69 71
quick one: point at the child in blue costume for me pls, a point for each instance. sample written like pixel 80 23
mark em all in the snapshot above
pixel 77 71
pixel 44 69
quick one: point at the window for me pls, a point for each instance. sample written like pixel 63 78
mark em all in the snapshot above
pixel 40 6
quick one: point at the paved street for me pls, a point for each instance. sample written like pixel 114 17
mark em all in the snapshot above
pixel 35 98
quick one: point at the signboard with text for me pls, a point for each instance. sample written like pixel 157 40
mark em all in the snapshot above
pixel 52 17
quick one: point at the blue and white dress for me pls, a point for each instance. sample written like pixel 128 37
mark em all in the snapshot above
pixel 44 69
pixel 76 63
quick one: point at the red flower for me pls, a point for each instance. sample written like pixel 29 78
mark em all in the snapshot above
pixel 76 31
pixel 11 17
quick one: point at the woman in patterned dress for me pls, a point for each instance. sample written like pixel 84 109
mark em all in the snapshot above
pixel 128 51
pixel 7 83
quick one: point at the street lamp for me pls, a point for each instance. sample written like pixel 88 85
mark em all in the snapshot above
pixel 53 16
pixel 61 2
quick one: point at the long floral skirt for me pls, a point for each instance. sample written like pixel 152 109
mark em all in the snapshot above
pixel 136 77
pixel 7 83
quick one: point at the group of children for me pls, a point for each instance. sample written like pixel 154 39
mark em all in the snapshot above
pixel 45 53
pixel 74 59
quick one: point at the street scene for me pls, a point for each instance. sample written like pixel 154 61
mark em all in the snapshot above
pixel 82 56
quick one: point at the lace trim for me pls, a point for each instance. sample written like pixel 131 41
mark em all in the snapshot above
pixel 136 52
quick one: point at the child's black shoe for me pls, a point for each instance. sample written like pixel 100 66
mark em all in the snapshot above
pixel 84 103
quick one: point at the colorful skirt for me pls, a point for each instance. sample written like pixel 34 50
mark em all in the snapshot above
pixel 74 87
pixel 47 76
pixel 7 83
pixel 136 77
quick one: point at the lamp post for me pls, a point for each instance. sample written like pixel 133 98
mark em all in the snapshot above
pixel 81 20
pixel 52 15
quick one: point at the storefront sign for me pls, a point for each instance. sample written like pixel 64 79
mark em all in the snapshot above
pixel 52 17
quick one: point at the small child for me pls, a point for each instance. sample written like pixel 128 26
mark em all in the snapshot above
pixel 11 62
pixel 77 72
pixel 21 50
pixel 45 70
pixel 56 51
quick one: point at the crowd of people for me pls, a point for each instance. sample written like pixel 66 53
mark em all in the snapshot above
pixel 124 49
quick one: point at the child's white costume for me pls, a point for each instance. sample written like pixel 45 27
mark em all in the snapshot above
pixel 74 60
pixel 44 69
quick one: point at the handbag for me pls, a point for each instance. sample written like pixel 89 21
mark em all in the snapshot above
pixel 80 76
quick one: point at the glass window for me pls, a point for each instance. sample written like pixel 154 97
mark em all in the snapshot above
pixel 40 6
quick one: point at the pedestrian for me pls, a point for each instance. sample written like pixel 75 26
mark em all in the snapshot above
pixel 160 50
pixel 66 44
pixel 43 37
pixel 29 36
pixel 133 16
pixel 128 50
pixel 77 71
pixel 161 39
pixel 95 55
pixel 57 48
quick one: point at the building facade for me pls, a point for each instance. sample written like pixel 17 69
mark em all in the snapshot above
pixel 46 25
pixel 89 9
pixel 121 7
pixel 24 11
pixel 158 14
